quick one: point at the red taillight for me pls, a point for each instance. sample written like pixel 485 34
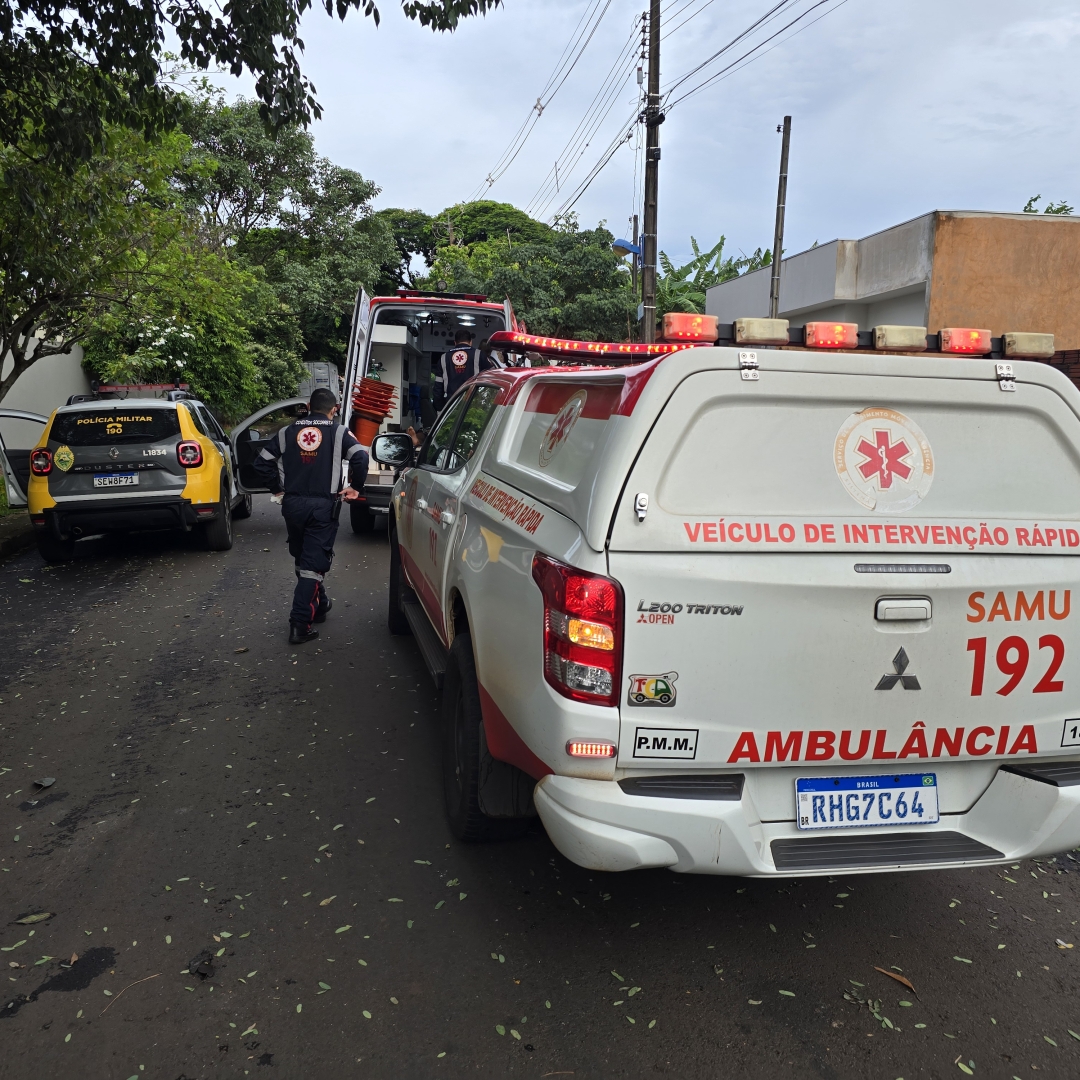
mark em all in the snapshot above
pixel 958 340
pixel 41 462
pixel 687 326
pixel 831 335
pixel 580 748
pixel 189 454
pixel 583 620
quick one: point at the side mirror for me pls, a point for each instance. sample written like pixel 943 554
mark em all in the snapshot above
pixel 254 435
pixel 395 448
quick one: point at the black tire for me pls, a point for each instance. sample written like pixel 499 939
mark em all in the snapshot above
pixel 56 551
pixel 218 534
pixel 395 617
pixel 242 509
pixel 461 720
pixel 361 519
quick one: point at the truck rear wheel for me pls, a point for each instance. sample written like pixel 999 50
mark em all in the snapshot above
pixel 395 617
pixel 461 720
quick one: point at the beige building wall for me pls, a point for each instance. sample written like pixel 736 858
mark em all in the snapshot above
pixel 1007 272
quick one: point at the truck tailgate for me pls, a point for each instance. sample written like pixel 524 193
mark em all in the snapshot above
pixel 845 570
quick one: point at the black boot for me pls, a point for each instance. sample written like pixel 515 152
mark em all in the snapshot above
pixel 320 615
pixel 299 634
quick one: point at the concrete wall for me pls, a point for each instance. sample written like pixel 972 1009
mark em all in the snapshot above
pixel 1007 272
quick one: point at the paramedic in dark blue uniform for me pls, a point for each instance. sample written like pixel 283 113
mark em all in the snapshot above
pixel 302 466
pixel 460 363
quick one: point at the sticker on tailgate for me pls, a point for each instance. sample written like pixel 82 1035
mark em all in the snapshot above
pixel 666 743
pixel 654 690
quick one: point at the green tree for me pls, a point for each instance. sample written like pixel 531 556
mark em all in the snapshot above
pixel 277 207
pixel 682 288
pixel 566 282
pixel 413 237
pixel 76 242
pixel 1051 207
pixel 69 71
pixel 208 322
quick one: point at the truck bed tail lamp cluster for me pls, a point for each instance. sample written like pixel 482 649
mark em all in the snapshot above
pixel 965 341
pixel 583 618
pixel 831 335
pixel 590 749
pixel 41 462
pixel 189 454
pixel 687 326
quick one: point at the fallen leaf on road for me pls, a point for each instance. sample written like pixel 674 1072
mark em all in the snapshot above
pixel 244 649
pixel 394 900
pixel 251 1030
pixel 787 993
pixel 336 827
pixel 325 986
pixel 41 916
pixel 46 781
pixel 751 1001
pixel 342 929
pixel 962 959
pixel 901 979
pixel 323 903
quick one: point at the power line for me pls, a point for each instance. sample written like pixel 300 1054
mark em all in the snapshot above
pixel 568 59
pixel 756 52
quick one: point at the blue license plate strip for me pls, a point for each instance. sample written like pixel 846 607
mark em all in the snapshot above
pixel 849 802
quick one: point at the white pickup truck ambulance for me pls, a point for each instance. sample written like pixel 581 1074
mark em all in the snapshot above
pixel 771 612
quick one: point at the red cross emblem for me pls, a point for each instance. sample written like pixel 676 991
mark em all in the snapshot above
pixel 885 458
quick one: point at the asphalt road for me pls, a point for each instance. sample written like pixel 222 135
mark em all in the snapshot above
pixel 273 816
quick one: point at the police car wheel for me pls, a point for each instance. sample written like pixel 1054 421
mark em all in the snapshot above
pixel 461 720
pixel 218 534
pixel 242 509
pixel 56 551
pixel 396 622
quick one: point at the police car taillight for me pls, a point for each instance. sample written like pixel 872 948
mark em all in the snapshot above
pixel 41 462
pixel 189 454
pixel 583 615
pixel 965 340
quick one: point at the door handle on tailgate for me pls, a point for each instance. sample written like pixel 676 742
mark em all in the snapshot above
pixel 903 609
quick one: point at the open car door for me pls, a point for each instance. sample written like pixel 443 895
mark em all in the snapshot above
pixel 252 434
pixel 20 432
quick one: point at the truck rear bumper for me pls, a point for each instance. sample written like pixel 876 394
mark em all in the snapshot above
pixel 596 824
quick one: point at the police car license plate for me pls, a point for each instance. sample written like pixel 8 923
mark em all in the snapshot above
pixel 120 479
pixel 847 802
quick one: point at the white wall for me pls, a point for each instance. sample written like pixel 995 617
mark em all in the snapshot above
pixel 46 385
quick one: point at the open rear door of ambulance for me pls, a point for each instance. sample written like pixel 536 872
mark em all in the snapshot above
pixel 853 566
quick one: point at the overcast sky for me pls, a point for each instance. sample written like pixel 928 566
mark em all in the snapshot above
pixel 898 108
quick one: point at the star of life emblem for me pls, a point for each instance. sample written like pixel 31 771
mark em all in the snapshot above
pixel 884 460
pixel 559 429
pixel 459 358
pixel 309 439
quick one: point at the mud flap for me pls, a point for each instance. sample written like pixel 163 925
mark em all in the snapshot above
pixel 503 791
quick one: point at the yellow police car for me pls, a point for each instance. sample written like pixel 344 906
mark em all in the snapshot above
pixel 112 466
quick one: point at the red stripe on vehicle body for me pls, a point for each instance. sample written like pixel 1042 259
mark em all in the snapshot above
pixel 427 594
pixel 601 399
pixel 505 743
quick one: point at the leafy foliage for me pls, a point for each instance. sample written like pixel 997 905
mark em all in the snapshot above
pixel 564 282
pixel 302 222
pixel 75 243
pixel 208 322
pixel 683 288
pixel 70 71
pixel 1051 207
pixel 412 235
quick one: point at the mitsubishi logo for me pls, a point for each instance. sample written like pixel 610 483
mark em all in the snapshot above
pixel 900 663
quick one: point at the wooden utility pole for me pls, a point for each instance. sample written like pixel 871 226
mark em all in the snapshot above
pixel 653 119
pixel 778 234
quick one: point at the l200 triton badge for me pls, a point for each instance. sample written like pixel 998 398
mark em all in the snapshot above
pixel 656 690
